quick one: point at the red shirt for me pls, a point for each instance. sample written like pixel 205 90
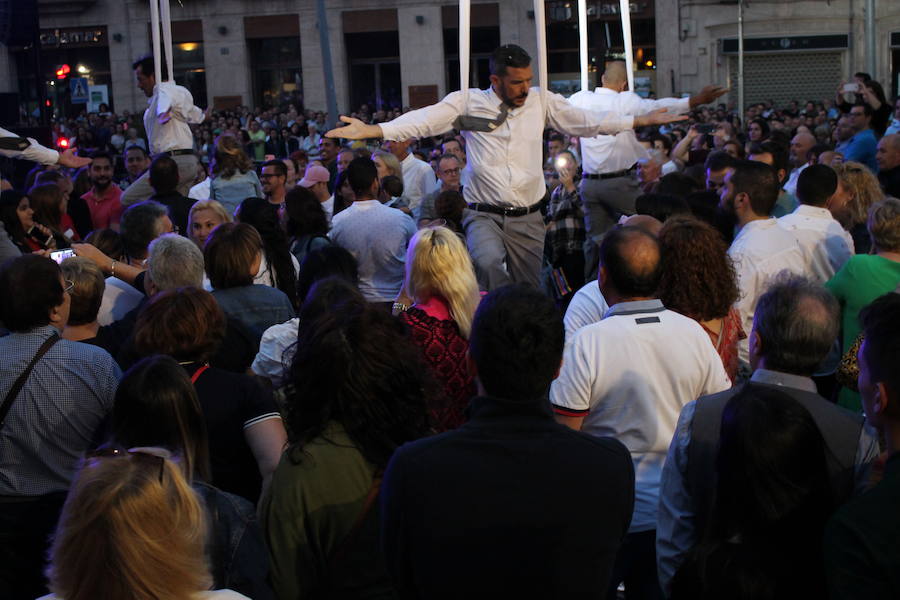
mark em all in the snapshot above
pixel 106 209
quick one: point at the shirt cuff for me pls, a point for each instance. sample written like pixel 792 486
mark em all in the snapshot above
pixel 388 132
pixel 569 412
pixel 39 153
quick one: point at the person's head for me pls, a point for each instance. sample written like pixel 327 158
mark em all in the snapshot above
pixel 391 187
pixel 184 323
pixel 651 225
pixel 57 179
pixel 758 130
pixel 362 174
pixel 450 205
pixel 629 265
pixel 230 158
pixel 717 165
pixel 449 171
pixel 173 261
pixel 615 76
pixel 273 178
pixel 698 278
pixel 858 189
pixel 649 169
pixel 887 154
pixel 232 254
pixel 292 174
pixel 136 161
pixel 205 216
pixel 511 74
pixel 879 379
pixel 438 264
pixel 343 159
pixel 48 203
pixel 794 326
pixel 145 74
pixel 141 224
pixel 303 213
pixel 843 131
pixel 750 192
pixel 328 149
pixel 142 525
pixel 816 185
pixel 342 373
pixel 386 164
pixel 556 144
pixel 516 343
pixel 101 170
pixel 316 180
pixel 87 291
pixel 164 174
pixel 859 117
pixel 33 294
pixel 884 225
pixel 660 206
pixel 773 154
pixel 399 148
pixel 156 405
pixel 454 146
pixel 253 125
pixel 325 262
pixel 801 144
pixel 108 241
pixel 772 476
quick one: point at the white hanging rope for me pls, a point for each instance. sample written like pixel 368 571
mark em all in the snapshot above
pixel 154 32
pixel 583 42
pixel 464 19
pixel 166 18
pixel 625 11
pixel 541 31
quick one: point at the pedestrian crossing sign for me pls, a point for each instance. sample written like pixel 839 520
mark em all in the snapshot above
pixel 78 90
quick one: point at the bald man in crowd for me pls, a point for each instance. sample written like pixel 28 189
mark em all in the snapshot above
pixel 887 155
pixel 621 378
pixel 801 144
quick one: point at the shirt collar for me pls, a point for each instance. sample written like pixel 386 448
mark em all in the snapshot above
pixel 813 211
pixel 756 224
pixel 634 307
pixel 607 91
pixel 780 378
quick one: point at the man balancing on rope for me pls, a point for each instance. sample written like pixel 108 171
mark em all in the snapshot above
pixel 503 126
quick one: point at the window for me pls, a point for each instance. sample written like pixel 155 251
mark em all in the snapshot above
pixel 277 75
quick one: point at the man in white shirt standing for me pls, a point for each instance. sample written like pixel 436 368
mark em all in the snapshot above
pixel 628 377
pixel 171 108
pixel 503 127
pixel 607 189
pixel 418 176
pixel 826 244
pixel 761 248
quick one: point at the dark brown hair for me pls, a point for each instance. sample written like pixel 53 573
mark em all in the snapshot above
pixel 698 277
pixel 46 202
pixel 230 251
pixel 184 323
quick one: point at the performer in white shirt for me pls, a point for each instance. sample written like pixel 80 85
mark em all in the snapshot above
pixel 171 108
pixel 13 146
pixel 503 127
pixel 607 189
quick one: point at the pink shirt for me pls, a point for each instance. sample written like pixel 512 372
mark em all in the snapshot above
pixel 106 209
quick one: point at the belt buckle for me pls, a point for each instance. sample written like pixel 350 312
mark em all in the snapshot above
pixel 508 210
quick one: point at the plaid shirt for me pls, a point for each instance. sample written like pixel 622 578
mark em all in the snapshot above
pixel 57 414
pixel 565 225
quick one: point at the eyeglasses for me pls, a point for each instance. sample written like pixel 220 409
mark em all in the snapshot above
pixel 451 171
pixel 150 456
pixel 70 285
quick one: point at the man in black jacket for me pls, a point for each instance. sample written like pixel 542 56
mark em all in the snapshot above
pixel 511 504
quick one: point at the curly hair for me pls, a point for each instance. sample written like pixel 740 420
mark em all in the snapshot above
pixel 230 157
pixel 343 373
pixel 698 277
pixel 864 188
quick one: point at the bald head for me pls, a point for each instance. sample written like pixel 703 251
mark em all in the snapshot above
pixel 615 77
pixel 801 144
pixel 651 225
pixel 888 152
pixel 629 264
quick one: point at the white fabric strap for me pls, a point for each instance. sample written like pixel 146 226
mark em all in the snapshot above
pixel 583 42
pixel 154 32
pixel 166 17
pixel 541 31
pixel 625 11
pixel 464 33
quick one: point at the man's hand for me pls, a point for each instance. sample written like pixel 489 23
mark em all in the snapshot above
pixel 93 254
pixel 70 159
pixel 707 95
pixel 355 130
pixel 658 117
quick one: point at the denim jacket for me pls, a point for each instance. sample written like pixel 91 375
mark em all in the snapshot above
pixel 258 307
pixel 234 190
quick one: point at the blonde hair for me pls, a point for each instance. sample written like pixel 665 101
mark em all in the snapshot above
pixel 390 161
pixel 864 187
pixel 131 528
pixel 213 205
pixel 87 295
pixel 438 264
pixel 884 225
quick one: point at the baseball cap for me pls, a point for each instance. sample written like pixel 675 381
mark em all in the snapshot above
pixel 314 174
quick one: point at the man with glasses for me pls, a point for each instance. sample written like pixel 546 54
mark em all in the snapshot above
pixel 861 146
pixel 449 174
pixel 58 393
pixel 274 179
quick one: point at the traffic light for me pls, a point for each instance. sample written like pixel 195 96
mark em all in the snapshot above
pixel 63 143
pixel 63 71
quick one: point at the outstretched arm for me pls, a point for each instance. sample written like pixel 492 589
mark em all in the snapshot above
pixel 355 130
pixel 423 122
pixel 707 95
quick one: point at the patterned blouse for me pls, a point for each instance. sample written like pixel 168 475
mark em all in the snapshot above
pixel 726 341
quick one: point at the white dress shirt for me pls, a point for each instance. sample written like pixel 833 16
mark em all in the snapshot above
pixel 418 180
pixel 826 244
pixel 611 153
pixel 328 207
pixel 119 298
pixel 586 307
pixel 761 251
pixel 174 134
pixel 505 165
pixel 35 152
pixel 201 190
pixel 790 186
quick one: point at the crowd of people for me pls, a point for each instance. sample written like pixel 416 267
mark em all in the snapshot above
pixel 511 344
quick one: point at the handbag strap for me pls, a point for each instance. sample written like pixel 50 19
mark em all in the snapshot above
pixel 20 382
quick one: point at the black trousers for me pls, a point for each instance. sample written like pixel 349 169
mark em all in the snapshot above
pixel 636 566
pixel 25 530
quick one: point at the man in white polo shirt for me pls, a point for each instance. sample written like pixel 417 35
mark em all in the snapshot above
pixel 761 248
pixel 628 376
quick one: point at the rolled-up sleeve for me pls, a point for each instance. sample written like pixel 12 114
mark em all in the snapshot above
pixel 35 152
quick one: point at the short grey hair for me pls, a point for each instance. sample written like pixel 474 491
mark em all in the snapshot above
pixel 797 321
pixel 175 262
pixel 884 224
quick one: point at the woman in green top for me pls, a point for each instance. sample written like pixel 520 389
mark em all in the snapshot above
pixel 867 276
pixel 359 392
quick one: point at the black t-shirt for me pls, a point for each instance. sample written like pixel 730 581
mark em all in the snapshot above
pixel 231 403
